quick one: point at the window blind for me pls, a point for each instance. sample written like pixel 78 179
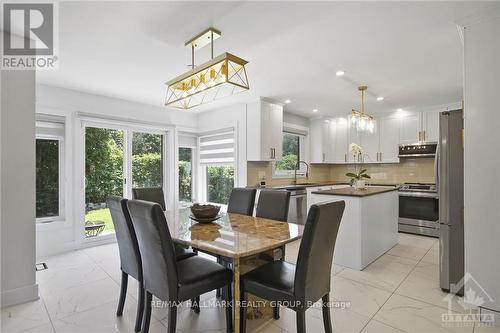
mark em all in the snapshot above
pixel 217 148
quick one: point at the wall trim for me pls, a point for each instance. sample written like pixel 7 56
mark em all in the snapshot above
pixel 20 295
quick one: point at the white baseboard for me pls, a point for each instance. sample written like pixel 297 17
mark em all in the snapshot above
pixel 19 295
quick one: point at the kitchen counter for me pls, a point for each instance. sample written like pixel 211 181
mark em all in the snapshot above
pixel 369 226
pixel 352 192
pixel 300 186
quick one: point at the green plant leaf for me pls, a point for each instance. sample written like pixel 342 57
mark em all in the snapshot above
pixel 352 175
pixel 362 171
pixel 366 176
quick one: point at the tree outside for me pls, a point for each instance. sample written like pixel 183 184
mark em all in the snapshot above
pixel 291 152
pixel 220 182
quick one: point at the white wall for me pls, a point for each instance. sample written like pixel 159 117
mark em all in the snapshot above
pixel 17 187
pixel 65 235
pixel 482 158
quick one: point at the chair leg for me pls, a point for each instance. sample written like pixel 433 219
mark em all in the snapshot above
pixel 123 294
pixel 301 321
pixel 195 304
pixel 327 320
pixel 172 319
pixel 276 311
pixel 243 312
pixel 147 312
pixel 229 309
pixel 140 307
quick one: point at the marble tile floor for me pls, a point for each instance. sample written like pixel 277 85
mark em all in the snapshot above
pixel 399 292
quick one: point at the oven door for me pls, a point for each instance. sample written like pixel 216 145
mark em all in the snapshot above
pixel 419 209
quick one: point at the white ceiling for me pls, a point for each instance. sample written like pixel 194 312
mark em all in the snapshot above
pixel 410 53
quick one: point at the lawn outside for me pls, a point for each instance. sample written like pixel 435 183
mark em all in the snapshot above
pixel 101 214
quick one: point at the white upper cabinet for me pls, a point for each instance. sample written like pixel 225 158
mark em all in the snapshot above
pixel 370 142
pixel 319 141
pixel 430 126
pixel 264 131
pixel 410 129
pixel 340 133
pixel 389 131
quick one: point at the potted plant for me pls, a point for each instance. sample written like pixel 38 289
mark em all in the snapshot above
pixel 358 179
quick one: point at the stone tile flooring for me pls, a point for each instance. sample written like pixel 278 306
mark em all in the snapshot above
pixel 399 292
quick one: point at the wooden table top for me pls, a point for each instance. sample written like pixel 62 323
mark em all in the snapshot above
pixel 233 235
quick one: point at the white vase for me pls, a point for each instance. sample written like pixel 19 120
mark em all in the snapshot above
pixel 359 184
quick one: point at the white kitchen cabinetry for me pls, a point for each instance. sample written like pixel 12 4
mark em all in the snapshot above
pixel 410 128
pixel 420 126
pixel 264 131
pixel 320 141
pixel 430 126
pixel 389 131
pixel 370 142
pixel 340 135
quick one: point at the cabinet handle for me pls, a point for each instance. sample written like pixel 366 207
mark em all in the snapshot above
pixel 274 153
pixel 380 157
pixel 425 135
pixel 323 157
pixel 345 157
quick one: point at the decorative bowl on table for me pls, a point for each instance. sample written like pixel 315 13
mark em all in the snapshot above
pixel 204 213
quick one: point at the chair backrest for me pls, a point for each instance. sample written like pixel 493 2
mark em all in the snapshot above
pixel 273 205
pixel 314 262
pixel 153 194
pixel 242 201
pixel 156 247
pixel 130 257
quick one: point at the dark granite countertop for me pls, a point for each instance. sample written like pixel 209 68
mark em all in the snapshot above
pixel 300 186
pixel 351 192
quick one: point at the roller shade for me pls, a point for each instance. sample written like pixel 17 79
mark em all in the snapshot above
pixel 217 148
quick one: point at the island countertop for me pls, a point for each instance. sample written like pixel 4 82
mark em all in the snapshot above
pixel 352 192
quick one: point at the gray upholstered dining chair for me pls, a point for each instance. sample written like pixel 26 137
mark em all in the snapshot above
pixel 168 279
pixel 130 257
pixel 153 194
pixel 241 201
pixel 273 204
pixel 301 285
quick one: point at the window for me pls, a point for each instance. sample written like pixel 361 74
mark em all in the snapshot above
pixel 185 176
pixel 220 182
pixel 49 168
pixel 217 156
pixel 47 178
pixel 293 151
pixel 147 160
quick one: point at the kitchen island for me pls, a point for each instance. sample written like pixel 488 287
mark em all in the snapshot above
pixel 369 227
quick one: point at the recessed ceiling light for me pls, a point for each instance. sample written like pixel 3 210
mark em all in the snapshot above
pixel 380 98
pixel 288 101
pixel 315 110
pixel 340 73
pixel 400 110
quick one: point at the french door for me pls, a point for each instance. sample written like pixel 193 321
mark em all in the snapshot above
pixel 117 159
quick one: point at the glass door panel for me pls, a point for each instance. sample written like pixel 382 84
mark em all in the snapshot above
pixel 185 176
pixel 104 176
pixel 147 160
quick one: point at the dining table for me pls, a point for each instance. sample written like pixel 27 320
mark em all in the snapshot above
pixel 234 238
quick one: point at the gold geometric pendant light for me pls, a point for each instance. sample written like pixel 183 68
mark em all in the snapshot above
pixel 217 78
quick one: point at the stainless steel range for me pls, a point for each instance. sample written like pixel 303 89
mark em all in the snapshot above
pixel 419 209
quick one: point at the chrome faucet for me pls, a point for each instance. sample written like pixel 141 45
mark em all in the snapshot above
pixel 297 167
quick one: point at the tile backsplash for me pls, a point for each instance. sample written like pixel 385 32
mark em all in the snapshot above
pixel 420 170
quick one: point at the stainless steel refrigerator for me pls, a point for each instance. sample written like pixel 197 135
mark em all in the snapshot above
pixel 451 200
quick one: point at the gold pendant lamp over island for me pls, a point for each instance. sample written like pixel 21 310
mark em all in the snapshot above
pixel 360 119
pixel 222 76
